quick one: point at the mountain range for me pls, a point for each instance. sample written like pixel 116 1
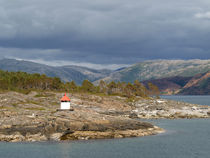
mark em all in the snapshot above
pixel 66 73
pixel 157 69
pixel 171 76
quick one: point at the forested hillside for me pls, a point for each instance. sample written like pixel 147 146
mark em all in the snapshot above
pixel 25 82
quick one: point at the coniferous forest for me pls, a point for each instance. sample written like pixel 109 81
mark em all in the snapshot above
pixel 25 82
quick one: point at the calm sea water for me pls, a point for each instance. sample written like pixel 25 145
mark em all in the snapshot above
pixel 183 139
pixel 195 99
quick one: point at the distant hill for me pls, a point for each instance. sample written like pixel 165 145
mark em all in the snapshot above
pixel 157 69
pixel 174 74
pixel 196 85
pixel 66 73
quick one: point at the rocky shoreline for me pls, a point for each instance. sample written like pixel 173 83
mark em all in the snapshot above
pixel 169 109
pixel 34 117
pixel 78 135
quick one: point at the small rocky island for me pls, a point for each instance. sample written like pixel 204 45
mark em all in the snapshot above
pixel 34 117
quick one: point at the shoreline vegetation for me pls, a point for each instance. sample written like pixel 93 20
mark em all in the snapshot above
pixel 24 82
pixel 111 110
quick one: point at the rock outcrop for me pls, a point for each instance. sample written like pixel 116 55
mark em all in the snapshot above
pixel 162 108
pixel 34 117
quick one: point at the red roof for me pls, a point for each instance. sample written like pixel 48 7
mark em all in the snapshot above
pixel 65 98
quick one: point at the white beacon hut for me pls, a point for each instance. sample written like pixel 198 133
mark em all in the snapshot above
pixel 65 103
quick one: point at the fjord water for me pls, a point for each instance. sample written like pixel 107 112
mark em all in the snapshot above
pixel 184 138
pixel 195 99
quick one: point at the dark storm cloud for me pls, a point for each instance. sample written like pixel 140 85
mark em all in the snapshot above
pixel 105 31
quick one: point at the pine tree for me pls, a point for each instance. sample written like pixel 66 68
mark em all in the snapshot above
pixel 153 89
pixel 87 86
pixel 140 90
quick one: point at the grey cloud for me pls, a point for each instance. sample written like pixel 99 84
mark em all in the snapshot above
pixel 203 15
pixel 105 31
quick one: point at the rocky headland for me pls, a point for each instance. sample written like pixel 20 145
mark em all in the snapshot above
pixel 35 116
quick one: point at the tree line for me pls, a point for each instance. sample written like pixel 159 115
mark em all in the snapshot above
pixel 26 81
pixel 22 81
pixel 115 88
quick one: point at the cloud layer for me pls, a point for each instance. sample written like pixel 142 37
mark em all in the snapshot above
pixel 105 31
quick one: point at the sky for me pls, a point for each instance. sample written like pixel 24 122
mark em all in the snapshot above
pixel 104 33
